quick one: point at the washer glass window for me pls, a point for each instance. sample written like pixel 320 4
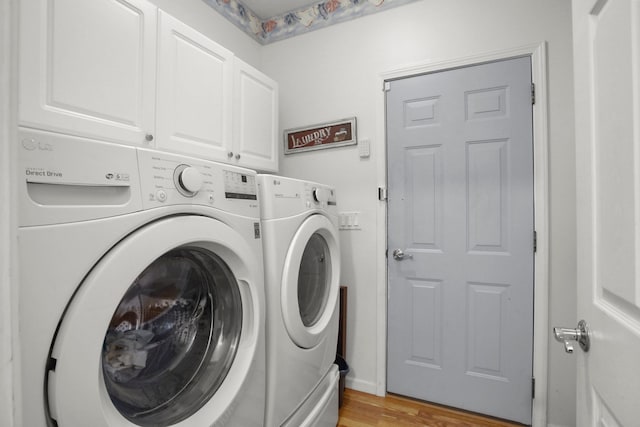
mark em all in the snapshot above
pixel 314 280
pixel 173 337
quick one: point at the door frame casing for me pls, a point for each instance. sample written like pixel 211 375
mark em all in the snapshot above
pixel 538 54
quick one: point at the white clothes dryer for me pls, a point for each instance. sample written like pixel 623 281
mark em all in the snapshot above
pixel 302 273
pixel 141 299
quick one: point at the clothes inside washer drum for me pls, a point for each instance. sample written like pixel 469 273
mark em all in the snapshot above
pixel 128 351
pixel 173 337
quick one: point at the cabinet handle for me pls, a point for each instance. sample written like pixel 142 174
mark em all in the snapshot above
pixel 230 154
pixel 237 156
pixel 148 137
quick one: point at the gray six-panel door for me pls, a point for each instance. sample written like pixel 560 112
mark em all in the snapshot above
pixel 461 238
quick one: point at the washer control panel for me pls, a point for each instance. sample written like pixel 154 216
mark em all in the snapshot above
pixel 64 178
pixel 188 180
pixel 168 179
pixel 239 185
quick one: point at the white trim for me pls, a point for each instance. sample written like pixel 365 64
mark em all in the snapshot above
pixel 538 54
pixel 8 128
pixel 360 385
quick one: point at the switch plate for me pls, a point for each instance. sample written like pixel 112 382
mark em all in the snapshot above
pixel 364 147
pixel 349 220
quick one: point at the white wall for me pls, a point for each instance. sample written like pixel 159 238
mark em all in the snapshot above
pixel 334 73
pixel 206 20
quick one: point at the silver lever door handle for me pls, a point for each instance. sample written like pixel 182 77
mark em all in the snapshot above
pixel 399 255
pixel 567 336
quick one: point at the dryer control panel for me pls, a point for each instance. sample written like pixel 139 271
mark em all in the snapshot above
pixel 282 197
pixel 170 179
pixel 319 195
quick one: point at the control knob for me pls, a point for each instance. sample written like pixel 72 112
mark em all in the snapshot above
pixel 320 195
pixel 188 180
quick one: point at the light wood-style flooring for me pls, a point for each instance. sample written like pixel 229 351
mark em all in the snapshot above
pixel 362 409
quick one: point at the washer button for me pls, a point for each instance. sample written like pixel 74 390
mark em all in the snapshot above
pixel 161 195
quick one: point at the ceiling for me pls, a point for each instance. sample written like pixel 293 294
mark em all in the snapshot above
pixel 267 9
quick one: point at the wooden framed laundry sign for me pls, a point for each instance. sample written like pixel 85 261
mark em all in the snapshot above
pixel 324 135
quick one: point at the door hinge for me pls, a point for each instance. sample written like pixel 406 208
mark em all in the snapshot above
pixel 386 87
pixel 535 241
pixel 51 364
pixel 533 388
pixel 382 194
pixel 533 93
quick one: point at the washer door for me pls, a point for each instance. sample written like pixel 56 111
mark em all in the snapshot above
pixel 163 323
pixel 310 283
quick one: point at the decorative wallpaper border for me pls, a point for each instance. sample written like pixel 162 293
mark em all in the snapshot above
pixel 300 21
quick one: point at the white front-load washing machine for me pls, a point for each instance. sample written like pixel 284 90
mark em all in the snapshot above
pixel 141 299
pixel 302 273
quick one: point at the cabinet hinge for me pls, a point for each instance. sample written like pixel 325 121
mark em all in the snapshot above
pixel 386 87
pixel 382 194
pixel 535 241
pixel 533 93
pixel 533 388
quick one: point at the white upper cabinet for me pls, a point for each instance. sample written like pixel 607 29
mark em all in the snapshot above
pixel 124 71
pixel 195 85
pixel 88 67
pixel 255 123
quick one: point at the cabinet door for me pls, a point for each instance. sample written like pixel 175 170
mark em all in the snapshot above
pixel 88 67
pixel 195 83
pixel 255 131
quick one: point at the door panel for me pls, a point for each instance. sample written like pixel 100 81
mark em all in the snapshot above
pixel 424 204
pixel 460 159
pixel 487 223
pixel 607 90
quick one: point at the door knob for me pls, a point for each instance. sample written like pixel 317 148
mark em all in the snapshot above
pixel 399 255
pixel 567 336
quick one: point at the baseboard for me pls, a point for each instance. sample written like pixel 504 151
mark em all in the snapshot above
pixel 359 385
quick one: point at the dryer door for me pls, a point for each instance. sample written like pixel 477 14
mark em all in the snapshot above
pixel 310 283
pixel 165 321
